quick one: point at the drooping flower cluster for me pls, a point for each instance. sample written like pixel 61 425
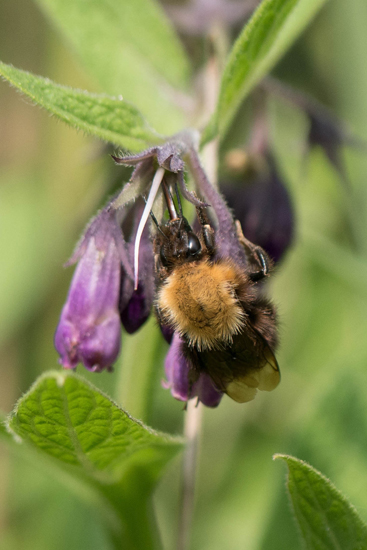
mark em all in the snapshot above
pixel 105 291
pixel 114 281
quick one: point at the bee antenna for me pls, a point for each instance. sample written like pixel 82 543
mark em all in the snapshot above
pixel 155 220
pixel 157 224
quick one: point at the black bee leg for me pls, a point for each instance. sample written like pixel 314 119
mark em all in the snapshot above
pixel 208 236
pixel 207 230
pixel 263 261
pixel 258 259
pixel 155 221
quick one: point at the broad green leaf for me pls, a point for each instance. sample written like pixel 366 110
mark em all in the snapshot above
pixel 92 439
pixel 71 420
pixel 108 118
pixel 326 519
pixel 270 32
pixel 129 47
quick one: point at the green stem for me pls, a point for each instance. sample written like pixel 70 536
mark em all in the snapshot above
pixel 139 358
pixel 192 431
pixel 138 528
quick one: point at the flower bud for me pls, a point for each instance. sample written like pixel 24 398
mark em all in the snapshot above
pixel 167 332
pixel 177 372
pixel 135 305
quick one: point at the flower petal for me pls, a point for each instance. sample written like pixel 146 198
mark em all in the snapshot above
pixel 206 391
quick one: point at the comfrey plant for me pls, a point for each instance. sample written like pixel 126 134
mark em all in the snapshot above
pixel 175 243
pixel 105 287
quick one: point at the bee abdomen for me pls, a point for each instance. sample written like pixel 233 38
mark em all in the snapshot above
pixel 199 301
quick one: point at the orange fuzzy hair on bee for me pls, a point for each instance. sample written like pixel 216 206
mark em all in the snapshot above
pixel 199 300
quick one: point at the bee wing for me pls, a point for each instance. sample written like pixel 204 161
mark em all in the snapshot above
pixel 244 367
pixel 265 377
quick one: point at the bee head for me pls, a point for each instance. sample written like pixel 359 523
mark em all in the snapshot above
pixel 180 244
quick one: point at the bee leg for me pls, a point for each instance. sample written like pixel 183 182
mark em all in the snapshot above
pixel 208 236
pixel 207 230
pixel 256 256
pixel 262 259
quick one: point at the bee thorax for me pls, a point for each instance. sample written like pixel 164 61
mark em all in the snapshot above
pixel 199 301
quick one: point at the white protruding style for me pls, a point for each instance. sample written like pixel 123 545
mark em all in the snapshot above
pixel 158 177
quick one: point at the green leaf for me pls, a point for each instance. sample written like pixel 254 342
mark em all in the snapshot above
pixel 270 32
pixel 326 519
pixel 4 434
pixel 107 118
pixel 97 443
pixel 129 47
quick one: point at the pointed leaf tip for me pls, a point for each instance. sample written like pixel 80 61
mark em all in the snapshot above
pixel 105 117
pixel 270 32
pixel 326 518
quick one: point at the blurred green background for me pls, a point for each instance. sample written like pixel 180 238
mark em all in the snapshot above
pixel 51 181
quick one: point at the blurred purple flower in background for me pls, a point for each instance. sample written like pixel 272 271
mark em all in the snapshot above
pixel 198 17
pixel 261 202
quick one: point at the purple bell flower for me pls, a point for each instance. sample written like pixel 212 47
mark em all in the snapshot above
pixel 89 328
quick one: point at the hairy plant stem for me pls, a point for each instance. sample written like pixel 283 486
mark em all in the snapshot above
pixel 193 416
pixel 192 430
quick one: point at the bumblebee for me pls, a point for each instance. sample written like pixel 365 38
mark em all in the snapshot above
pixel 228 327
